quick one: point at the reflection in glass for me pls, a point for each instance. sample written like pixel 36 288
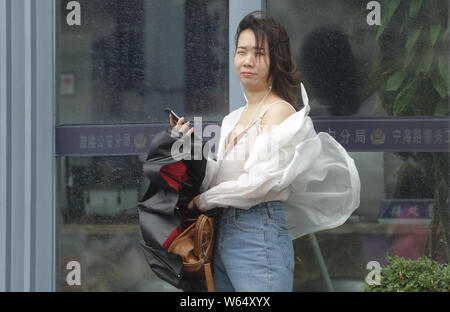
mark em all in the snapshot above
pixel 351 68
pixel 98 225
pixel 99 222
pixel 397 68
pixel 128 60
pixel 124 64
pixel 395 215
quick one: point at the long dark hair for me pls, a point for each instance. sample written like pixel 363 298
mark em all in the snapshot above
pixel 283 69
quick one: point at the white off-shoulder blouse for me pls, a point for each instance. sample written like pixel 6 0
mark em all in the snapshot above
pixel 311 173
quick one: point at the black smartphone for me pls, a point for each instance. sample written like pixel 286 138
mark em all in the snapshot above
pixel 175 116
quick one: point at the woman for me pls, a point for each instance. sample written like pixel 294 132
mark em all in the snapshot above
pixel 270 161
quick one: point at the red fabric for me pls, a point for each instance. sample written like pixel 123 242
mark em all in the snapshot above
pixel 172 236
pixel 177 170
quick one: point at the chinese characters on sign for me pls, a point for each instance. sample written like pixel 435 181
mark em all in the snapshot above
pixel 92 141
pixel 366 135
pixel 389 135
pixel 399 136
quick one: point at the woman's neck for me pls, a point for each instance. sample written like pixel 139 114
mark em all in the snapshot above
pixel 254 98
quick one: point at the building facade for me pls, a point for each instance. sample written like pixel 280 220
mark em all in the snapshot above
pixel 84 84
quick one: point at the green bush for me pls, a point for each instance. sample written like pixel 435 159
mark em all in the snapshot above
pixel 421 275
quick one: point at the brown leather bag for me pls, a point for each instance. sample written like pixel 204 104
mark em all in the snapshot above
pixel 195 246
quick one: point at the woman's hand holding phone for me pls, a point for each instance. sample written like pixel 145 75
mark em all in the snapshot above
pixel 179 126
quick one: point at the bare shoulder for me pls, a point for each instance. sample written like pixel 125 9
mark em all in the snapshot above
pixel 277 113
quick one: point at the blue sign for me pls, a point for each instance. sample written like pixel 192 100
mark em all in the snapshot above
pixel 405 210
pixel 401 134
pixel 408 134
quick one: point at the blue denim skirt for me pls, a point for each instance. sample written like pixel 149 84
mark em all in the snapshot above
pixel 253 250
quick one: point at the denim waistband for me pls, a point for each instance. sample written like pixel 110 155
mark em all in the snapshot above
pixel 264 207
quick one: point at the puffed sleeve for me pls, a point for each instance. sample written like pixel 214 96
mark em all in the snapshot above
pixel 323 182
pixel 267 168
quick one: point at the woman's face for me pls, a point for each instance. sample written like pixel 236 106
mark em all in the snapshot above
pixel 252 63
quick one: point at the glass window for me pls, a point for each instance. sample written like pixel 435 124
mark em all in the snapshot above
pixel 353 68
pixel 397 203
pixel 128 60
pixel 124 64
pixel 99 225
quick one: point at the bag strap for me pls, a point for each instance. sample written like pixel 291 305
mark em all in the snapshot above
pixel 208 277
pixel 198 237
pixel 199 226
